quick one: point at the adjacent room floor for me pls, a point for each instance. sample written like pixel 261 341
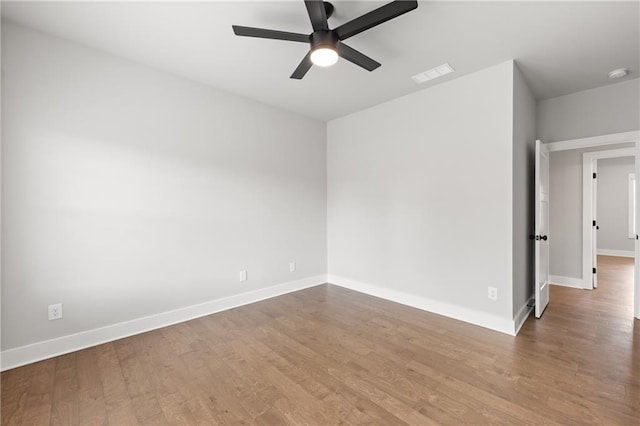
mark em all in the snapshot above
pixel 327 355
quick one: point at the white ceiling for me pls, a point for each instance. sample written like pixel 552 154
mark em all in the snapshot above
pixel 561 47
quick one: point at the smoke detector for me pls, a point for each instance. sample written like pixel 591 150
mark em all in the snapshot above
pixel 619 73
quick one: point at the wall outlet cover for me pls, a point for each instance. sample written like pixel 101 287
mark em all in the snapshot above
pixel 492 293
pixel 55 312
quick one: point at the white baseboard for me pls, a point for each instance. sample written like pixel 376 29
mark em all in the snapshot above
pixel 523 314
pixel 27 354
pixel 566 281
pixel 620 253
pixel 493 322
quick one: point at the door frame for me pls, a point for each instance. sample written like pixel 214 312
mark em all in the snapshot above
pixel 604 140
pixel 589 167
pixel 631 191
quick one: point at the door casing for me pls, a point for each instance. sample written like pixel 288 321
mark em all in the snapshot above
pixel 589 167
pixel 602 141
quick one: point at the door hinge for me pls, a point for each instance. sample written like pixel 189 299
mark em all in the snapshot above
pixel 594 270
pixel 594 175
pixel 594 223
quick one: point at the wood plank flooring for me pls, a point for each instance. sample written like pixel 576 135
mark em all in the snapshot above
pixel 330 356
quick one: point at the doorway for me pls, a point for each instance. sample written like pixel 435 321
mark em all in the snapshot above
pixel 613 233
pixel 613 207
pixel 573 242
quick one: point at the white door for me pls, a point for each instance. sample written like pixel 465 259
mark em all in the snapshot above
pixel 594 227
pixel 542 228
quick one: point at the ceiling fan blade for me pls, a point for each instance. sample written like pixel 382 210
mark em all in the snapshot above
pixel 375 17
pixel 304 66
pixel 360 59
pixel 317 14
pixel 271 34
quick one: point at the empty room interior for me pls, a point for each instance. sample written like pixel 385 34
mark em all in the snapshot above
pixel 312 213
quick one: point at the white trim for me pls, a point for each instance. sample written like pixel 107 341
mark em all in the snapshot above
pixel 472 316
pixel 619 253
pixel 631 206
pixel 589 164
pixel 523 314
pixel 614 138
pixel 27 354
pixel 566 281
pixel 636 247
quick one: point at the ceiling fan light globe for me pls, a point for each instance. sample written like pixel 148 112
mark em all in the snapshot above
pixel 324 57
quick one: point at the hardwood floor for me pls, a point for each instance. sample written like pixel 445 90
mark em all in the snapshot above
pixel 329 356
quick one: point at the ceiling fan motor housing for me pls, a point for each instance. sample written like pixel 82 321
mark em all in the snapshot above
pixel 322 38
pixel 328 9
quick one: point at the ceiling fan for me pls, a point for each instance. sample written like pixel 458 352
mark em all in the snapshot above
pixel 327 44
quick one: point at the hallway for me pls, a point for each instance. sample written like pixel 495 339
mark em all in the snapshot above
pixel 612 301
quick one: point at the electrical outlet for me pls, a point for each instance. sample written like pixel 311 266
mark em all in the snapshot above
pixel 292 267
pixel 493 293
pixel 243 275
pixel 55 312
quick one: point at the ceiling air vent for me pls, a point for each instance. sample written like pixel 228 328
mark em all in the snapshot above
pixel 433 73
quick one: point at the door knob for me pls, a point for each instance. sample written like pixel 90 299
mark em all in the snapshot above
pixel 544 238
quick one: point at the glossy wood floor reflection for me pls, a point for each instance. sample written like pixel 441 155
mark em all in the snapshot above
pixel 329 356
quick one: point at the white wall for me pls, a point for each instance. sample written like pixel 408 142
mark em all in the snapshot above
pixel 609 109
pixel 420 197
pixel 612 204
pixel 128 191
pixel 524 146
